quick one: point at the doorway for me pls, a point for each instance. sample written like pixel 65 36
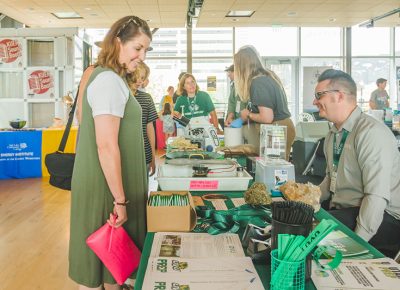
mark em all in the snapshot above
pixel 287 70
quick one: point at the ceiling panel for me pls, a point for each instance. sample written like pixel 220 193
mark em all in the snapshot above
pixel 172 13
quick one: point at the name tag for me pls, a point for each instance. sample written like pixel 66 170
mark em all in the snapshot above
pixel 237 107
pixel 332 187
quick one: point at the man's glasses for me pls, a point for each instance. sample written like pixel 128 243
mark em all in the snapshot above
pixel 319 95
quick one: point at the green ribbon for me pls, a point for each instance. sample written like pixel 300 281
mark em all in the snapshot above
pixel 230 221
pixel 332 264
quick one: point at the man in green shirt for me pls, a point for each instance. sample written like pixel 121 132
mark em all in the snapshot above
pixel 234 103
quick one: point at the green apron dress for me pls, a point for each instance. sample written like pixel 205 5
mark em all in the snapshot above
pixel 92 201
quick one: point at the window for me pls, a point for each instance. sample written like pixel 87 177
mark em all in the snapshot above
pixel 320 41
pixel 164 73
pixel 370 41
pixel 268 41
pixel 365 72
pixel 203 68
pixel 212 42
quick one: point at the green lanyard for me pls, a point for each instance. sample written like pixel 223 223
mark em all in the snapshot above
pixel 192 105
pixel 337 150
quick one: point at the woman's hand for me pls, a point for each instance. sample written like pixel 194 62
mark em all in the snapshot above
pixel 177 114
pixel 118 217
pixel 152 167
pixel 244 114
pixel 229 120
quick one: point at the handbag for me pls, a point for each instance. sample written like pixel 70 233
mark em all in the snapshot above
pixel 116 250
pixel 59 164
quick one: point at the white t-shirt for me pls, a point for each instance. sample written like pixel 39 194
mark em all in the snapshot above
pixel 107 94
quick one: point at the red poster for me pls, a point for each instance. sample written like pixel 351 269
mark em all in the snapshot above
pixel 40 81
pixel 10 50
pixel 203 184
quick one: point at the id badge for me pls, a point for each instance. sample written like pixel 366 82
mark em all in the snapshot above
pixel 332 187
pixel 237 107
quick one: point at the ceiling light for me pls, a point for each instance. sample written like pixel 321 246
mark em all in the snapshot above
pixel 332 19
pixel 292 13
pixel 66 15
pixel 240 13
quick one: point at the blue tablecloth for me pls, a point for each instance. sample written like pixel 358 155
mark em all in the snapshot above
pixel 20 154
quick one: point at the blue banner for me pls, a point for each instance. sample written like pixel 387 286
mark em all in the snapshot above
pixel 20 154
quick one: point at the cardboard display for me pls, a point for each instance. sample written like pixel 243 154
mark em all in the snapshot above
pixel 171 218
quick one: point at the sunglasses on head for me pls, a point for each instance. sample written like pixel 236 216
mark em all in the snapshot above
pixel 126 24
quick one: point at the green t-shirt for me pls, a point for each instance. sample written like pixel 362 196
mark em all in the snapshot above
pixel 200 105
pixel 235 105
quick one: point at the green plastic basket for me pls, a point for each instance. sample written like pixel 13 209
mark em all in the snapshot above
pixel 287 275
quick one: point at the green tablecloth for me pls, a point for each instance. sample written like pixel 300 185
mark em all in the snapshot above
pixel 264 270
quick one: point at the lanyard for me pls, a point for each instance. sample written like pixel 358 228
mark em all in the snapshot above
pixel 337 150
pixel 192 105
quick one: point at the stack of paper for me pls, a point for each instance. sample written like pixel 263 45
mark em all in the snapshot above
pixel 182 261
pixel 381 274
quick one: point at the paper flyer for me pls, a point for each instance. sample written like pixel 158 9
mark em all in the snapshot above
pixel 381 274
pixel 196 245
pixel 193 274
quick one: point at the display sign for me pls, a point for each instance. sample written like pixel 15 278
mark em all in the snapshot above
pixel 11 52
pixel 41 82
pixel 20 154
pixel 211 83
pixel 203 185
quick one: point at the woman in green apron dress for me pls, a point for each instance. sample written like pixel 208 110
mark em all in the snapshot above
pixel 109 174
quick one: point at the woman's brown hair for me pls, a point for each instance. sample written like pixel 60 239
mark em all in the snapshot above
pixel 125 29
pixel 180 91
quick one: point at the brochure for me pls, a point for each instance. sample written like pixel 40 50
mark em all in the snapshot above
pixel 213 273
pixel 345 244
pixel 198 261
pixel 196 245
pixel 381 274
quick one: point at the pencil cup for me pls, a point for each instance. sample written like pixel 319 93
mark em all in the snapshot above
pixel 292 229
pixel 287 275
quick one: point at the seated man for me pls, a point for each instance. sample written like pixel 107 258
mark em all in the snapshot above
pixel 363 165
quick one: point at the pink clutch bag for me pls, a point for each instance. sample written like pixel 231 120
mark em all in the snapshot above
pixel 116 250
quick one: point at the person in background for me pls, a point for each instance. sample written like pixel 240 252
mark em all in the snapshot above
pixel 234 103
pixel 138 82
pixel 263 91
pixel 168 122
pixel 363 165
pixel 194 103
pixel 167 98
pixel 109 179
pixel 176 95
pixel 379 98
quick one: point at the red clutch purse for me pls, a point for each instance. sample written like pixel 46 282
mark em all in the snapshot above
pixel 116 250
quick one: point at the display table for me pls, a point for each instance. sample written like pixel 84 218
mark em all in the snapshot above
pixel 263 270
pixel 22 152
